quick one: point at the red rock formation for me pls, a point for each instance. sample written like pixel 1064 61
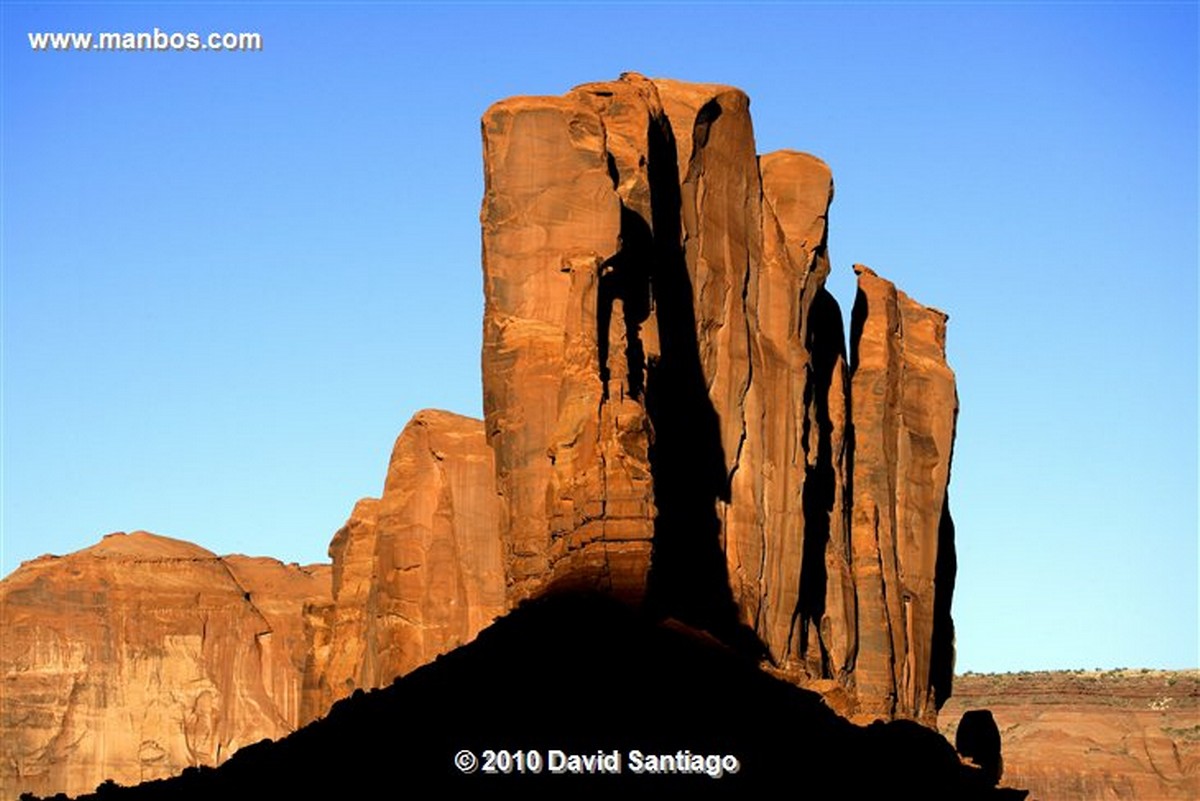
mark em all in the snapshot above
pixel 670 418
pixel 564 354
pixel 667 392
pixel 417 572
pixel 904 409
pixel 143 655
pixel 786 531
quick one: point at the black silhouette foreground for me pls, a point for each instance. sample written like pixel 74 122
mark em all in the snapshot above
pixel 586 676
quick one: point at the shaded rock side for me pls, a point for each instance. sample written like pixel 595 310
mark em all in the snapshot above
pixel 143 655
pixel 904 406
pixel 417 572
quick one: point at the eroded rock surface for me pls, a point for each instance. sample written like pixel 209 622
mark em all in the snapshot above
pixel 904 406
pixel 668 396
pixel 564 354
pixel 417 572
pixel 143 655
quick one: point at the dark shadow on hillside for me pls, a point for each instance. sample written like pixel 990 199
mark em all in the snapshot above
pixel 583 674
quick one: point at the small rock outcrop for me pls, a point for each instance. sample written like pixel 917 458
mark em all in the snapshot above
pixel 416 572
pixel 977 741
pixel 143 655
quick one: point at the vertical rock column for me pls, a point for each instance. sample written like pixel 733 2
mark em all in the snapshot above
pixel 567 335
pixel 788 528
pixel 904 406
pixel 709 246
pixel 620 234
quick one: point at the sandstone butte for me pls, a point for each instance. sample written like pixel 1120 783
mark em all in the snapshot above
pixel 671 418
pixel 671 408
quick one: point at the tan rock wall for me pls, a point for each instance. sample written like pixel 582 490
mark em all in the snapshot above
pixel 564 354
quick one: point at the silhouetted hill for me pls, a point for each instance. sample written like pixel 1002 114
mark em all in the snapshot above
pixel 583 675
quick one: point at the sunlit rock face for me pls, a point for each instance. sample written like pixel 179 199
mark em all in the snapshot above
pixel 416 572
pixel 674 417
pixel 904 406
pixel 144 655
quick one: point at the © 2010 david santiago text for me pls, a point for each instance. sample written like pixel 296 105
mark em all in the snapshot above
pixel 556 762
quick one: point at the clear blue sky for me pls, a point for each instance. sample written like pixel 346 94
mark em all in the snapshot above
pixel 230 278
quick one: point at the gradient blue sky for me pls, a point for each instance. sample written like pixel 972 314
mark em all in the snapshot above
pixel 230 278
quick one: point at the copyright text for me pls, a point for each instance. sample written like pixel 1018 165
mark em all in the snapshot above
pixel 557 762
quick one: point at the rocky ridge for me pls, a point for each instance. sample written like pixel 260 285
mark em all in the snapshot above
pixel 417 572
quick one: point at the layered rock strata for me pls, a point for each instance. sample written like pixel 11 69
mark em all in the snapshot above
pixel 668 397
pixel 1082 735
pixel 143 655
pixel 416 572
pixel 569 336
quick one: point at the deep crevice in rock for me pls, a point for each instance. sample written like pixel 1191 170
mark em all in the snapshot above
pixel 941 654
pixel 626 276
pixel 688 576
pixel 825 346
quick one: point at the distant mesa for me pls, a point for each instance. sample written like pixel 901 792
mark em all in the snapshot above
pixel 672 420
pixel 144 655
pixel 1074 735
